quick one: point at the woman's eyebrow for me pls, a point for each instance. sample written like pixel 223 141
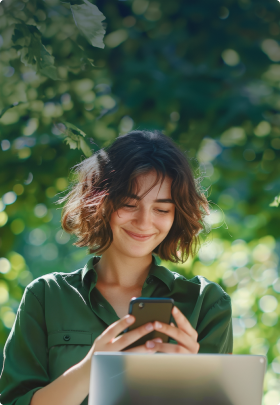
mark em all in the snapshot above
pixel 159 200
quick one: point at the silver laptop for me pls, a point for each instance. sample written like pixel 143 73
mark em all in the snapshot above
pixel 176 379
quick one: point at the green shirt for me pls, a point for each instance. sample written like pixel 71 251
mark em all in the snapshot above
pixel 61 314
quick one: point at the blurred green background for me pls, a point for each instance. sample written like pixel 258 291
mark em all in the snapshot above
pixel 205 73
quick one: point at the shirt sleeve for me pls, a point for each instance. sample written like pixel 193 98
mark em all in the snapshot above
pixel 25 368
pixel 215 333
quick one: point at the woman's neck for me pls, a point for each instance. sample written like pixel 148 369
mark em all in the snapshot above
pixel 123 271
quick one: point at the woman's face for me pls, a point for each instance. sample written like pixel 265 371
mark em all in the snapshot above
pixel 137 230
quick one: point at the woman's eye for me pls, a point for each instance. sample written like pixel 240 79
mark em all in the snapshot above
pixel 135 206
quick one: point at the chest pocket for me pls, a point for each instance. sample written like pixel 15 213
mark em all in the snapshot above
pixel 65 349
pixel 69 338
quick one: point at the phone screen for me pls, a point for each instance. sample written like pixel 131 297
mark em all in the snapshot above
pixel 149 310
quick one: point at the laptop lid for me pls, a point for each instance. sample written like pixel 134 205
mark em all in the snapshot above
pixel 176 379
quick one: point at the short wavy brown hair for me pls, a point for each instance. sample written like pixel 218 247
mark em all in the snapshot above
pixel 105 180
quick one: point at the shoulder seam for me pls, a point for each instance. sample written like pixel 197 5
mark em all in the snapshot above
pixel 72 274
pixel 35 297
pixel 225 295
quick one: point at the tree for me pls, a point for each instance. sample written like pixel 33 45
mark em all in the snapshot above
pixel 207 74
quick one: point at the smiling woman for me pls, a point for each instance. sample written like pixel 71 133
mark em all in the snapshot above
pixel 131 204
pixel 110 180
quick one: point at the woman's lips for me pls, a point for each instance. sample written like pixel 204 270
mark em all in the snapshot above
pixel 137 236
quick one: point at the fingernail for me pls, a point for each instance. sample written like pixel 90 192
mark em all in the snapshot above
pixel 158 340
pixel 158 325
pixel 129 319
pixel 149 327
pixel 175 310
pixel 150 344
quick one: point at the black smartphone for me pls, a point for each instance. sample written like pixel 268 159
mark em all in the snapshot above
pixel 149 310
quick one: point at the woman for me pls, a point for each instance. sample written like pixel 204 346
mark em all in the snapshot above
pixel 134 203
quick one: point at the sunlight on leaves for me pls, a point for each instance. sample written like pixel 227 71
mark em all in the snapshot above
pixel 275 202
pixel 74 137
pixel 27 40
pixel 88 19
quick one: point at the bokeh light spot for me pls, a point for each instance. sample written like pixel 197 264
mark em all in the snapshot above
pixel 238 327
pixel 269 319
pixel 9 198
pixel 49 251
pixel 17 226
pixel 37 237
pixel 268 303
pixel 9 319
pixel 230 57
pixel 3 218
pixel 24 153
pixel 126 124
pixel 5 145
pixel 40 210
pixel 17 261
pixel 31 126
pixel 62 237
pixel 5 265
pixel 61 183
pixel 18 189
pixel 262 129
pixel 2 205
pixel 4 292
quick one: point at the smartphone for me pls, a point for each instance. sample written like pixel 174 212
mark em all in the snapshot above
pixel 149 310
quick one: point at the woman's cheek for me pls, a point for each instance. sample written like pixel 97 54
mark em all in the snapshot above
pixel 119 217
pixel 165 223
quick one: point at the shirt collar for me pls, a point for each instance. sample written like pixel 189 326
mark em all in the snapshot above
pixel 162 273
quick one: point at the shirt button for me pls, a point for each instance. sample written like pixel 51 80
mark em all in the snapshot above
pixel 66 338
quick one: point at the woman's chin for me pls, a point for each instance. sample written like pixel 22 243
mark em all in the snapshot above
pixel 136 251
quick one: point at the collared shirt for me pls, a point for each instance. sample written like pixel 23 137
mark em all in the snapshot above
pixel 61 314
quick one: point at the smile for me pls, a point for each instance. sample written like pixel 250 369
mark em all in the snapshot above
pixel 137 236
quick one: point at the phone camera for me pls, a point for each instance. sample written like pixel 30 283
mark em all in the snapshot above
pixel 141 305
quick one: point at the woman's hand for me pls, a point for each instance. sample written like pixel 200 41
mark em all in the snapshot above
pixel 185 335
pixel 111 340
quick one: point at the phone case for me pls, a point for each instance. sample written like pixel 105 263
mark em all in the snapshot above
pixel 149 310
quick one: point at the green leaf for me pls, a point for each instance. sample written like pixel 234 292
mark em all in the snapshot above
pixel 10 106
pixel 27 40
pixel 275 202
pixel 74 129
pixel 74 137
pixel 85 148
pixel 88 19
pixel 17 47
pixel 71 143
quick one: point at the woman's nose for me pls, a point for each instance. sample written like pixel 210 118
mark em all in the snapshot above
pixel 143 219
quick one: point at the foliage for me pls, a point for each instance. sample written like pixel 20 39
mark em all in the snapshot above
pixel 74 137
pixel 208 74
pixel 27 40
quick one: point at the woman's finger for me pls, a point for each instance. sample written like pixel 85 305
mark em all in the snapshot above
pixel 144 348
pixel 183 323
pixel 177 334
pixel 166 348
pixel 126 339
pixel 116 328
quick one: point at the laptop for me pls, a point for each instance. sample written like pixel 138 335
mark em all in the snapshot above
pixel 176 379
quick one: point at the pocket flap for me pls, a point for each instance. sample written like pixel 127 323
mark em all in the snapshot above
pixel 69 338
